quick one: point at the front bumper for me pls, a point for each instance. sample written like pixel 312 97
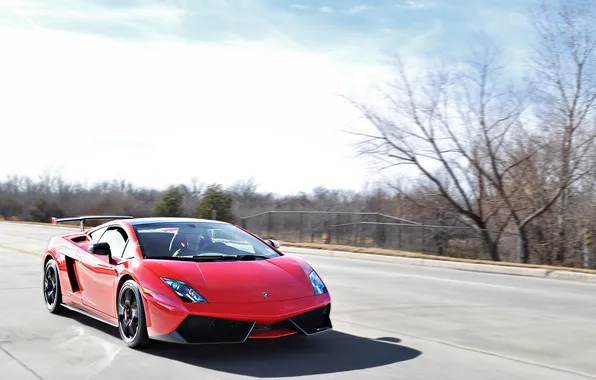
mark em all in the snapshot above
pixel 235 323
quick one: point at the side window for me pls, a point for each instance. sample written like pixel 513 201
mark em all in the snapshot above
pixel 129 251
pixel 95 235
pixel 116 238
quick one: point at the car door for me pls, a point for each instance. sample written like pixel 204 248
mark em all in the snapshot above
pixel 83 274
pixel 100 272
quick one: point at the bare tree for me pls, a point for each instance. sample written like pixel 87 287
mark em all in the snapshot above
pixel 453 128
pixel 565 64
pixel 507 149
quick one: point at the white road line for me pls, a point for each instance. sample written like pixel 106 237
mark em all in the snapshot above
pixel 397 275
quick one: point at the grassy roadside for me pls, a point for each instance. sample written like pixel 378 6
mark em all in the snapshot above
pixel 389 252
pixel 384 252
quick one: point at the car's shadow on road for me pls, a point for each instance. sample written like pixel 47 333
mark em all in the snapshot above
pixel 329 352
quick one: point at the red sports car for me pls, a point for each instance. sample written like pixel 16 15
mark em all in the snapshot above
pixel 183 280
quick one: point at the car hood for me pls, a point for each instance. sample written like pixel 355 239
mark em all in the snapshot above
pixel 281 278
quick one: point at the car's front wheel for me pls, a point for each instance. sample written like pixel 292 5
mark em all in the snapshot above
pixel 52 293
pixel 131 316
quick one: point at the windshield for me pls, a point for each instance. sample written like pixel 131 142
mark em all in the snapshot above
pixel 200 241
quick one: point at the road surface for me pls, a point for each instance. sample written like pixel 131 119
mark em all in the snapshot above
pixel 391 322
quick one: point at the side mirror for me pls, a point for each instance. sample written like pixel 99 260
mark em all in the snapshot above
pixel 273 243
pixel 101 249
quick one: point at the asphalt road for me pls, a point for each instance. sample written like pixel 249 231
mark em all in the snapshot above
pixel 391 322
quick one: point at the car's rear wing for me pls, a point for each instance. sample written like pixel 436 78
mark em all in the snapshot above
pixel 82 219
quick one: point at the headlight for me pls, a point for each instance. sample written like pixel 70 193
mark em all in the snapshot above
pixel 317 283
pixel 185 292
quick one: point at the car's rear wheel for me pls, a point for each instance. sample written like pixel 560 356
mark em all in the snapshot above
pixel 52 293
pixel 131 316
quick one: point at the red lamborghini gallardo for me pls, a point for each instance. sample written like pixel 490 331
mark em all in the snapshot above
pixel 183 280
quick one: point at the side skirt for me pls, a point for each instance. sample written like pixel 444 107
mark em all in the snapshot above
pixel 88 314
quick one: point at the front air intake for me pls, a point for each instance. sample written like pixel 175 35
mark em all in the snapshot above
pixel 199 329
pixel 314 321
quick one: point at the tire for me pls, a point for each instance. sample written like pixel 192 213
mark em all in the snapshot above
pixel 52 292
pixel 132 325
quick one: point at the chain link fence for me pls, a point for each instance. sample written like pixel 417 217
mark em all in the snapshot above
pixel 376 230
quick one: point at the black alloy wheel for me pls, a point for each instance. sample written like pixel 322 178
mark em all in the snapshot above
pixel 131 316
pixel 51 287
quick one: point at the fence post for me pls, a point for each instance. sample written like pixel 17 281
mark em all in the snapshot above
pixel 269 224
pixel 301 227
pixel 214 214
pixel 354 231
pixel 378 237
pixel 336 228
pixel 587 248
pixel 243 222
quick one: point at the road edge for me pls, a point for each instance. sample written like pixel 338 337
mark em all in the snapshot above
pixel 557 274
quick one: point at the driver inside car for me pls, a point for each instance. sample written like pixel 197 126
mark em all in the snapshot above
pixel 190 242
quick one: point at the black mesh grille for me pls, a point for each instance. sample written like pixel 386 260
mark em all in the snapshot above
pixel 286 324
pixel 199 329
pixel 314 320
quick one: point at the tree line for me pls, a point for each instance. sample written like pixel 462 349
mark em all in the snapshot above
pixel 27 199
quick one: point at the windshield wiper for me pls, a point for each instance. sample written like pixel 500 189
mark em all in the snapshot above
pixel 212 257
pixel 252 257
pixel 169 257
pixel 216 256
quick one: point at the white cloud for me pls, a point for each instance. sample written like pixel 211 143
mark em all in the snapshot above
pixel 18 3
pixel 358 9
pixel 162 112
pixel 300 6
pixel 142 14
pixel 418 4
pixel 326 9
pixel 149 20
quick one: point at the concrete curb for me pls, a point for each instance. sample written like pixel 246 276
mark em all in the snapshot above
pixel 481 268
pixel 571 276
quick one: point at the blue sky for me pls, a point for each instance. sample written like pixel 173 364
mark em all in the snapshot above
pixel 160 91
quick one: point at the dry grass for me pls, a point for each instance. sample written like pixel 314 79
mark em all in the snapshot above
pixel 389 252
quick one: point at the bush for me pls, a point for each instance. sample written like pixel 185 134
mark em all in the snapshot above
pixel 171 204
pixel 44 210
pixel 216 198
